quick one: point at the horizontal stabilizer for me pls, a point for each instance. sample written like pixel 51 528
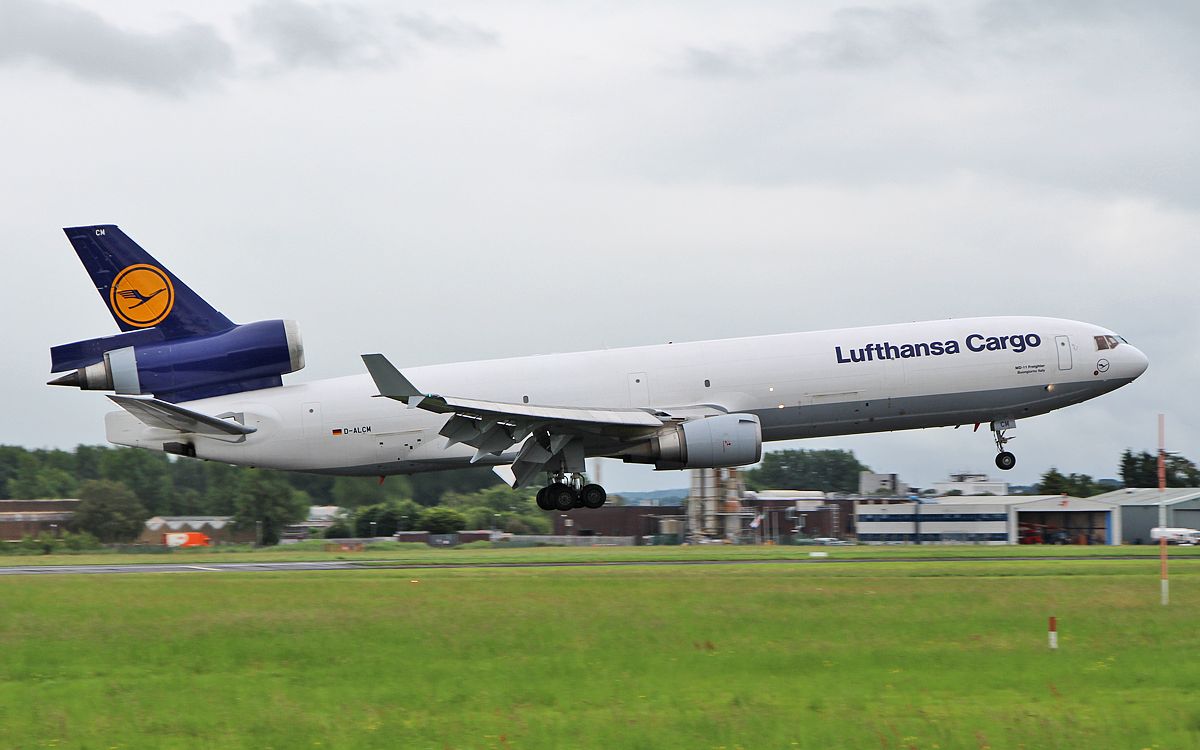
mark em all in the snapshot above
pixel 155 413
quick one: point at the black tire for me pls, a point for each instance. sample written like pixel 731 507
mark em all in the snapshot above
pixel 561 496
pixel 1005 461
pixel 543 499
pixel 592 496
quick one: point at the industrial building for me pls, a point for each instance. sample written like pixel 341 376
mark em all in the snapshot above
pixel 21 518
pixel 219 529
pixel 1014 519
pixel 871 484
pixel 967 483
pixel 641 521
pixel 1180 507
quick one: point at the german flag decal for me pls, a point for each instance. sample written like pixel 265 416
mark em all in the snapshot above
pixel 337 433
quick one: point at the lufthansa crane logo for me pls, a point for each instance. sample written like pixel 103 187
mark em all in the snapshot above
pixel 142 295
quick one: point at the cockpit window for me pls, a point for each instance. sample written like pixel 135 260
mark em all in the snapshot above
pixel 1101 342
pixel 1108 342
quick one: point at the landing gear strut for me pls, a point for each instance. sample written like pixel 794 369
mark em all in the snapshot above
pixel 1004 459
pixel 566 492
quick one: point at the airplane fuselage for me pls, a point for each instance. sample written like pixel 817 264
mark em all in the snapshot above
pixel 799 385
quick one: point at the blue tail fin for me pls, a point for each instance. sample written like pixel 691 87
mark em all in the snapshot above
pixel 139 291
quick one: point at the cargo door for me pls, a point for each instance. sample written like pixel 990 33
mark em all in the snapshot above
pixel 1063 343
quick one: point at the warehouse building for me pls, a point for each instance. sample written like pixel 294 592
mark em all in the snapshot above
pixel 1140 510
pixel 20 518
pixel 219 529
pixel 1014 519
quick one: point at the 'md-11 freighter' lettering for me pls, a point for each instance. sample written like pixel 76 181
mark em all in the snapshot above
pixel 976 342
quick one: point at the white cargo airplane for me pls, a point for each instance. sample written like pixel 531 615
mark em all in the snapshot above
pixel 191 382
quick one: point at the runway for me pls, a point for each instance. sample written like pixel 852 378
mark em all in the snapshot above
pixel 269 567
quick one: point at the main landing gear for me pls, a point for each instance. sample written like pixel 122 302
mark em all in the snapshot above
pixel 569 492
pixel 1004 459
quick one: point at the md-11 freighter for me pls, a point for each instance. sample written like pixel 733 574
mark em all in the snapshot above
pixel 191 382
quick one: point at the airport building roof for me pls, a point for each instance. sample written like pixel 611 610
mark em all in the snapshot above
pixel 1150 496
pixel 1027 502
pixel 195 523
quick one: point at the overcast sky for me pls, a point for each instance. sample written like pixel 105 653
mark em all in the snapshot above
pixel 456 181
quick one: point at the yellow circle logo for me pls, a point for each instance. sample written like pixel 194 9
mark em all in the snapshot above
pixel 142 295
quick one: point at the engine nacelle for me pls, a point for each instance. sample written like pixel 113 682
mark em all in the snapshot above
pixel 245 357
pixel 719 442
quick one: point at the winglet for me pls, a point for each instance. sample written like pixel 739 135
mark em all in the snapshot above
pixel 389 381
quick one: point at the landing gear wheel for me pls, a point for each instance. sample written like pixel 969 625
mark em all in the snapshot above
pixel 561 496
pixel 542 499
pixel 592 496
pixel 1005 460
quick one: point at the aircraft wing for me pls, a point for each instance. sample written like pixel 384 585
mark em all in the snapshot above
pixel 546 433
pixel 155 413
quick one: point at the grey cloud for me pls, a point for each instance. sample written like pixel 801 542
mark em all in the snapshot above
pixel 326 34
pixel 338 35
pixel 453 33
pixel 857 38
pixel 1097 98
pixel 89 48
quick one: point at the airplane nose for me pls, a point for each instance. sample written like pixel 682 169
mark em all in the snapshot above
pixel 1138 362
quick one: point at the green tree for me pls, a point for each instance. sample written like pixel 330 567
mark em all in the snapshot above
pixel 36 480
pixel 109 511
pixel 388 517
pixel 267 501
pixel 438 520
pixel 222 483
pixel 1053 483
pixel 1141 470
pixel 144 472
pixel 10 465
pixel 825 470
pixel 89 461
pixel 428 488
pixel 357 492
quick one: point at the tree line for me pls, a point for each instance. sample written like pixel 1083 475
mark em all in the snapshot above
pixel 838 470
pixel 120 488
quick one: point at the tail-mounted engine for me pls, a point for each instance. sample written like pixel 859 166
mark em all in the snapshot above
pixel 241 358
pixel 719 442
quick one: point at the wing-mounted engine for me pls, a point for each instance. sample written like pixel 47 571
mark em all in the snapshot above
pixel 717 442
pixel 241 358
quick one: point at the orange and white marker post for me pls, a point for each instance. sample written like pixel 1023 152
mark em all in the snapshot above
pixel 1162 508
pixel 1053 633
pixel 1166 585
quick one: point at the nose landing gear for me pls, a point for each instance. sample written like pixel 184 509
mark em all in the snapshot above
pixel 1004 459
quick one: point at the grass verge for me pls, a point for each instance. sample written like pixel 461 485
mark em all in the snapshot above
pixel 893 655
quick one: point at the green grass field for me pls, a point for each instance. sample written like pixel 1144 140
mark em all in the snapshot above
pixel 887 655
pixel 421 554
